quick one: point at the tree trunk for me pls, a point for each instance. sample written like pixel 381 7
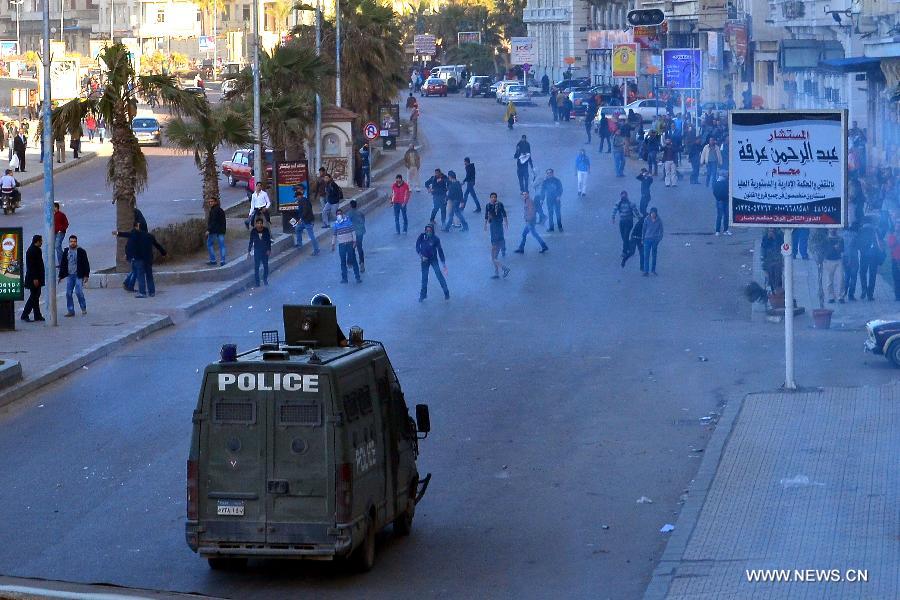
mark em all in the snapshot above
pixel 210 178
pixel 124 181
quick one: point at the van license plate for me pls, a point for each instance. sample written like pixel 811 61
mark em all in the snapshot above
pixel 230 508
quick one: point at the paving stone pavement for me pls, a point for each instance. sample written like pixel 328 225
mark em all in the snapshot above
pixel 807 480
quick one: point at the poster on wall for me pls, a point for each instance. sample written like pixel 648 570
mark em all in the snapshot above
pixel 714 50
pixel 788 168
pixel 64 81
pixel 389 120
pixel 624 60
pixel 11 264
pixel 291 183
pixel 682 68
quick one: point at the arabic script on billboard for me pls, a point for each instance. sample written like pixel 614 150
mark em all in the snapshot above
pixel 292 183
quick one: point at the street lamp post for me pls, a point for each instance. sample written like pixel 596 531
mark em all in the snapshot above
pixel 259 174
pixel 337 37
pixel 318 162
pixel 112 7
pixel 50 244
pixel 18 39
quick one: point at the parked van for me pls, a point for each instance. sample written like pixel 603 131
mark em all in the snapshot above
pixel 302 448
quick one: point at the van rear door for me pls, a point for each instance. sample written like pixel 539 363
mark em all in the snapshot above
pixel 232 466
pixel 300 466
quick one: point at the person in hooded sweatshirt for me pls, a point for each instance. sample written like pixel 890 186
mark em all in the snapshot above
pixel 429 249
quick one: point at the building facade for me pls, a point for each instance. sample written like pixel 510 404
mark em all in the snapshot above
pixel 559 28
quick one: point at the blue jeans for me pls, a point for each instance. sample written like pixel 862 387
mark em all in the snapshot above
pixel 261 259
pixel 553 206
pixel 131 278
pixel 652 165
pixel 310 231
pixel 359 248
pixel 73 283
pixel 366 176
pixel 59 242
pixel 721 215
pixel 456 210
pixel 604 139
pixel 711 169
pixel 439 204
pixel 347 254
pixel 524 179
pixel 398 210
pixel 211 240
pixel 144 274
pixel 529 228
pixel 433 264
pixel 470 190
pixel 649 263
pixel 800 242
pixel 619 162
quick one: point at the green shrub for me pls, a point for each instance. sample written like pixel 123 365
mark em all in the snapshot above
pixel 181 239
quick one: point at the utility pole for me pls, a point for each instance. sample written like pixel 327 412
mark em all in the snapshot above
pixel 62 18
pixel 47 133
pixel 18 38
pixel 337 37
pixel 259 174
pixel 111 11
pixel 215 40
pixel 318 162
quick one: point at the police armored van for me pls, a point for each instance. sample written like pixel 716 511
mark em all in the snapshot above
pixel 302 448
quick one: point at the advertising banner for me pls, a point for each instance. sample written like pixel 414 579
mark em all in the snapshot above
pixel 8 48
pixel 649 37
pixel 682 68
pixel 468 37
pixel 291 183
pixel 64 81
pixel 389 120
pixel 605 39
pixel 522 51
pixel 714 50
pixel 425 44
pixel 624 60
pixel 207 43
pixel 736 34
pixel 11 264
pixel 788 168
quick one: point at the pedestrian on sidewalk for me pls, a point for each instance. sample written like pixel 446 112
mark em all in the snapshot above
pixel 412 161
pixel 711 156
pixel 75 269
pixel 652 235
pixel 511 115
pixel 365 165
pixel 400 194
pixel 344 238
pixel 893 241
pixel 34 279
pixel 75 134
pixel 259 205
pixel 582 170
pixel 101 128
pixel 646 181
pixel 428 247
pixel 720 193
pixel 91 124
pixel 496 219
pixel 455 202
pixel 552 103
pixel 871 256
pixel 59 140
pixel 470 184
pixel 800 243
pixel 437 187
pixel 669 156
pixel 851 261
pixel 832 263
pixel 411 102
pixel 2 136
pixel 618 152
pixel 604 131
pixel 215 231
pixel 552 191
pixel 20 142
pixel 306 221
pixel 140 248
pixel 261 246
pixel 359 227
pixel 333 196
pixel 530 214
pixel 627 213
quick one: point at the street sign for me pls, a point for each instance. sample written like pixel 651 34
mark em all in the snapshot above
pixel 370 130
pixel 682 69
pixel 425 43
pixel 526 67
pixel 786 249
pixel 11 264
pixel 788 168
pixel 207 43
pixel 522 50
pixel 624 62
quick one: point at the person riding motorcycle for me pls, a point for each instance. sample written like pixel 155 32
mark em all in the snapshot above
pixel 9 187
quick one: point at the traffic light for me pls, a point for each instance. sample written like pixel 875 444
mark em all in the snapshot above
pixel 645 17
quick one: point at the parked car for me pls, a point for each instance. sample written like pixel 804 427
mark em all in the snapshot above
pixel 240 167
pixel 478 85
pixel 611 112
pixel 567 85
pixel 579 99
pixel 647 108
pixel 516 93
pixel 434 87
pixel 228 86
pixel 501 88
pixel 884 338
pixel 147 130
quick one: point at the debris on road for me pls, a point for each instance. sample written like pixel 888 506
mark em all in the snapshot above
pixel 799 481
pixel 644 500
pixel 702 359
pixel 667 528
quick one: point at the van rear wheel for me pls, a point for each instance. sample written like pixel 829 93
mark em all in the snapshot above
pixel 364 557
pixel 226 564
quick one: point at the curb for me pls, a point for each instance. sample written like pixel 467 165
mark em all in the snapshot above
pixel 10 372
pixel 86 356
pixel 57 167
pixel 671 558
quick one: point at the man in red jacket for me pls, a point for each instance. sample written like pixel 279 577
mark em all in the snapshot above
pixel 60 225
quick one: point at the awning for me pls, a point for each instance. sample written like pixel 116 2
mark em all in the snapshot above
pixel 854 64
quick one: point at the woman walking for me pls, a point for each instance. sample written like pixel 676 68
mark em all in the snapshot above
pixel 510 114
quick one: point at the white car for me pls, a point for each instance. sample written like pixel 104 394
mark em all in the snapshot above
pixel 501 88
pixel 647 108
pixel 516 93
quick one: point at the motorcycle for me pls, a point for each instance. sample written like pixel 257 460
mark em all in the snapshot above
pixel 9 201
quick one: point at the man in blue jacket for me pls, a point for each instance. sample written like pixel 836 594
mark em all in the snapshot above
pixel 437 186
pixel 429 249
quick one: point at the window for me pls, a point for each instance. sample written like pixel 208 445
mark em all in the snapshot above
pixel 246 13
pixel 71 4
pixel 770 73
pixel 161 14
pixel 226 13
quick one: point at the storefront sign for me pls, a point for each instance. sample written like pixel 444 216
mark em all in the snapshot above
pixel 11 264
pixel 624 60
pixel 682 69
pixel 523 50
pixel 788 169
pixel 291 183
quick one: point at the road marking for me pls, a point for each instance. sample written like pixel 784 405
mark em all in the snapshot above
pixel 49 593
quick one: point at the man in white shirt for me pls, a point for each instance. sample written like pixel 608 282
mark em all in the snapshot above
pixel 8 185
pixel 259 203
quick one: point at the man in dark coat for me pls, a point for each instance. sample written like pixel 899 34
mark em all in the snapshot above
pixel 75 269
pixel 34 279
pixel 19 145
pixel 140 249
pixel 215 231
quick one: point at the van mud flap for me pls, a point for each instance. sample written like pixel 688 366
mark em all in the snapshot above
pixel 423 486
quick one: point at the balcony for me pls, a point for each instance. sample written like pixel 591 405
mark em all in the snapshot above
pixel 546 15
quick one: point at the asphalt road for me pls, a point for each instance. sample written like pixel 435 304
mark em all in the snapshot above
pixel 558 398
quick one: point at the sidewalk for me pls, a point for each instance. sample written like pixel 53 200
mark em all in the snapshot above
pixel 804 480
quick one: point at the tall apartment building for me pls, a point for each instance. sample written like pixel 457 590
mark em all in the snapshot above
pixel 560 31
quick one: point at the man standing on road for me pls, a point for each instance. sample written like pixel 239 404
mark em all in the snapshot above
pixel 646 181
pixel 75 269
pixel 530 217
pixel 455 203
pixel 694 150
pixel 429 249
pixel 359 227
pixel 522 146
pixel 306 221
pixel 582 169
pixel 668 158
pixel 261 246
pixel 344 237
pixel 720 192
pixel 365 165
pixel 60 225
pixel 552 191
pixel 412 161
pixel 34 279
pixel 603 130
pixel 712 158
pixel 18 146
pixel 652 234
pixel 437 187
pixel 524 170
pixel 627 212
pixel 470 184
pixel 215 231
pixel 400 194
pixel 495 218
pixel 618 152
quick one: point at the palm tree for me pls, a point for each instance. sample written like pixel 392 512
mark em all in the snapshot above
pixel 281 10
pixel 203 134
pixel 117 105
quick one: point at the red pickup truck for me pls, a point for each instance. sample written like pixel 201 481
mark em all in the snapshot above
pixel 241 164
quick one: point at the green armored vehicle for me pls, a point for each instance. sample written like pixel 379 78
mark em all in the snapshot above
pixel 302 448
